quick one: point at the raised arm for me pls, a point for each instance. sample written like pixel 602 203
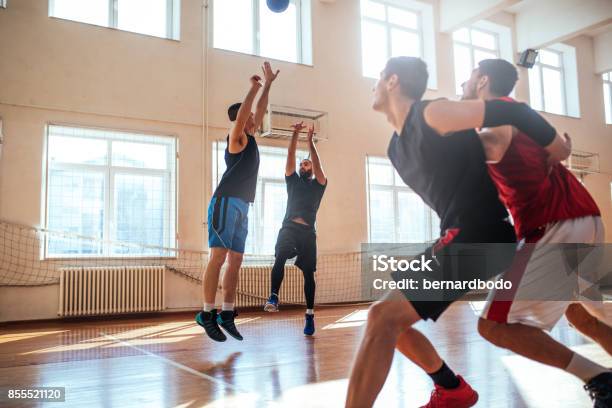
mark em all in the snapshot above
pixel 449 116
pixel 290 166
pixel 237 139
pixel 262 103
pixel 317 169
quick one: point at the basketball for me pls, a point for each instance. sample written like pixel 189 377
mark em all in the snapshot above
pixel 278 6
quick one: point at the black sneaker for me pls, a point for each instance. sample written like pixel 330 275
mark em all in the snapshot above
pixel 226 321
pixel 208 320
pixel 600 390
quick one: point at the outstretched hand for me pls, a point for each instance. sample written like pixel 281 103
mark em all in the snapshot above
pixel 256 81
pixel 268 74
pixel 310 133
pixel 297 127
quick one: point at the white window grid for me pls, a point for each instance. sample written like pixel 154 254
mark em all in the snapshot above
pixel 397 187
pixel 257 213
pixel 113 16
pixel 256 44
pixel 389 26
pixel 539 65
pixel 607 84
pixel 474 48
pixel 110 172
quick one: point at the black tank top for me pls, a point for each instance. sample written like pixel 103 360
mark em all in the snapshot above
pixel 449 173
pixel 303 198
pixel 240 177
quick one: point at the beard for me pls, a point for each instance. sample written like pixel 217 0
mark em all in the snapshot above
pixel 469 94
pixel 306 175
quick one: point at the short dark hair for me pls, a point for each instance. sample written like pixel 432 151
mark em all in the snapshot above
pixel 232 111
pixel 502 75
pixel 412 75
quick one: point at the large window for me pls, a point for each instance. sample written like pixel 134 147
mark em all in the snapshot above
pixel 267 212
pixel 248 26
pixel 607 90
pixel 391 28
pixel 158 18
pixel 553 81
pixel 482 40
pixel 395 212
pixel 112 186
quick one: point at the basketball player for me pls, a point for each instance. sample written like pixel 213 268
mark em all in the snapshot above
pixel 549 206
pixel 297 236
pixel 229 207
pixel 450 174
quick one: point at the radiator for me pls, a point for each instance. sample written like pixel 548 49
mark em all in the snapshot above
pixel 254 286
pixel 87 291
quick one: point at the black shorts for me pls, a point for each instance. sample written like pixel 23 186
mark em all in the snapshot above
pixel 298 240
pixel 461 253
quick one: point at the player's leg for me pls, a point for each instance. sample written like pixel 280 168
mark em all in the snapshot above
pixel 217 242
pixel 517 319
pixel 590 324
pixel 309 295
pixel 527 341
pixel 238 221
pixel 387 319
pixel 449 387
pixel 591 315
pixel 307 262
pixel 284 250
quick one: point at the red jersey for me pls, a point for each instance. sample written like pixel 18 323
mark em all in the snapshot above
pixel 532 195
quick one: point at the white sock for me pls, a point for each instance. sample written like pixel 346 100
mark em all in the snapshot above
pixel 310 311
pixel 227 306
pixel 208 307
pixel 583 368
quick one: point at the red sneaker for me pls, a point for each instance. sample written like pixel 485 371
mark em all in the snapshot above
pixel 461 397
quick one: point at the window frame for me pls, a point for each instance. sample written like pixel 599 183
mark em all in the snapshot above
pixel 109 171
pixel 607 83
pixel 396 189
pixel 561 70
pixel 389 26
pixel 473 48
pixel 425 32
pixel 301 35
pixel 173 13
pixel 570 81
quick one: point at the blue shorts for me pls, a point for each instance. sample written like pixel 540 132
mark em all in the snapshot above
pixel 228 223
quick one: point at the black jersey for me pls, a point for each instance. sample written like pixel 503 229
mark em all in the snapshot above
pixel 448 173
pixel 240 178
pixel 303 198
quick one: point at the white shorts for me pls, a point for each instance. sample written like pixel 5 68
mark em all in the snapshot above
pixel 543 286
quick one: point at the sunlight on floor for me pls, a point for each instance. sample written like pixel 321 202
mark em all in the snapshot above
pixel 6 338
pixel 353 319
pixel 245 400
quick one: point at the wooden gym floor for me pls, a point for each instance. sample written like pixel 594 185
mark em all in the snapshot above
pixel 168 362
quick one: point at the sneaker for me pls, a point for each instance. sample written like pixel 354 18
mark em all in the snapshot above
pixel 309 328
pixel 225 319
pixel 461 397
pixel 272 304
pixel 600 390
pixel 208 320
